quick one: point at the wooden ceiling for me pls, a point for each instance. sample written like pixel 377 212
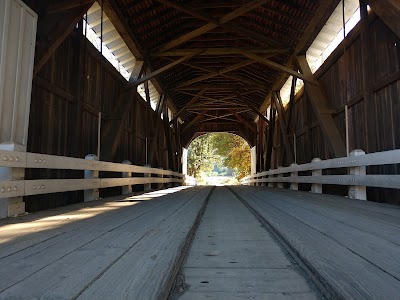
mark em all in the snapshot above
pixel 234 50
pixel 218 61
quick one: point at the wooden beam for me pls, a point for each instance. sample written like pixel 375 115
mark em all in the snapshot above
pixel 211 25
pixel 250 82
pixel 220 72
pixel 216 107
pixel 189 104
pixel 277 66
pixel 65 5
pixel 320 106
pixel 111 134
pixel 137 70
pixel 243 121
pixel 321 16
pixel 283 127
pixel 220 51
pixel 229 26
pixel 162 69
pixel 193 122
pixel 117 17
pixel 214 87
pixel 270 141
pixel 388 11
pixel 253 108
pixel 54 36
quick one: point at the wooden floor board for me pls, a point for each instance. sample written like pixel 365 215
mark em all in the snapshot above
pixel 372 248
pixel 63 269
pixel 344 270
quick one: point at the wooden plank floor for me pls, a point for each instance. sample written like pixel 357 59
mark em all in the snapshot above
pixel 352 246
pixel 131 248
pixel 101 250
pixel 233 257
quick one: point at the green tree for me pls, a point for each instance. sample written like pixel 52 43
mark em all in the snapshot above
pixel 201 156
pixel 235 150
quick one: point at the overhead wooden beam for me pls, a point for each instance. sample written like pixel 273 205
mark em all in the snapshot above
pixel 250 82
pixel 193 122
pixel 253 108
pixel 162 69
pixel 211 25
pixel 189 104
pixel 220 51
pixel 220 72
pixel 388 11
pixel 324 11
pixel 229 26
pixel 321 109
pixel 277 66
pixel 57 30
pixel 243 121
pixel 65 5
pixel 215 108
pixel 215 86
pixel 283 127
pixel 117 17
pixel 137 70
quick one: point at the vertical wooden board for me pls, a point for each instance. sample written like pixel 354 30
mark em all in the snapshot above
pixel 356 126
pixel 384 52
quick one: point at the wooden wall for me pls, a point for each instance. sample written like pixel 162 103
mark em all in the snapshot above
pixel 64 117
pixel 374 123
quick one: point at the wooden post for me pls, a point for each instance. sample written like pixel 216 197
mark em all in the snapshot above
pixel 170 184
pixel 93 194
pixel 147 186
pixel 294 186
pixel 126 189
pixel 160 185
pixel 17 53
pixel 271 184
pixel 11 206
pixel 280 184
pixel 357 191
pixel 316 188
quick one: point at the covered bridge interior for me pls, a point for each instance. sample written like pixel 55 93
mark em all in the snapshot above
pixel 102 98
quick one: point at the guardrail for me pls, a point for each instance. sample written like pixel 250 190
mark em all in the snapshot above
pixel 91 182
pixel 357 180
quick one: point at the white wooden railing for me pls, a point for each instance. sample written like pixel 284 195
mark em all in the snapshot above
pixel 357 180
pixel 91 181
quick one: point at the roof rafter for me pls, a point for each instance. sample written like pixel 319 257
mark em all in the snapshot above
pixel 211 23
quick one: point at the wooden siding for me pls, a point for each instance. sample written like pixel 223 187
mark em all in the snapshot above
pixel 64 116
pixel 372 127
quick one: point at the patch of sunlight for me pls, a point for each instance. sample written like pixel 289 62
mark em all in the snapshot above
pixel 10 232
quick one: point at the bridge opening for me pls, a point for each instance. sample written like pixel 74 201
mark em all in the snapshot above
pixel 219 158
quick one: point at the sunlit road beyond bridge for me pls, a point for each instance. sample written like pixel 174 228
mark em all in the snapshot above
pixel 237 242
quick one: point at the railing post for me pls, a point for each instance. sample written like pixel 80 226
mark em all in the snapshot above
pixel 294 186
pixel 315 187
pixel 126 189
pixel 280 184
pixel 169 184
pixel 357 191
pixel 160 185
pixel 147 186
pixel 93 194
pixel 11 206
pixel 271 184
pixel 264 183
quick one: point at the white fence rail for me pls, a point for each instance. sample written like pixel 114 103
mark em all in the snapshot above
pixel 23 160
pixel 356 179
